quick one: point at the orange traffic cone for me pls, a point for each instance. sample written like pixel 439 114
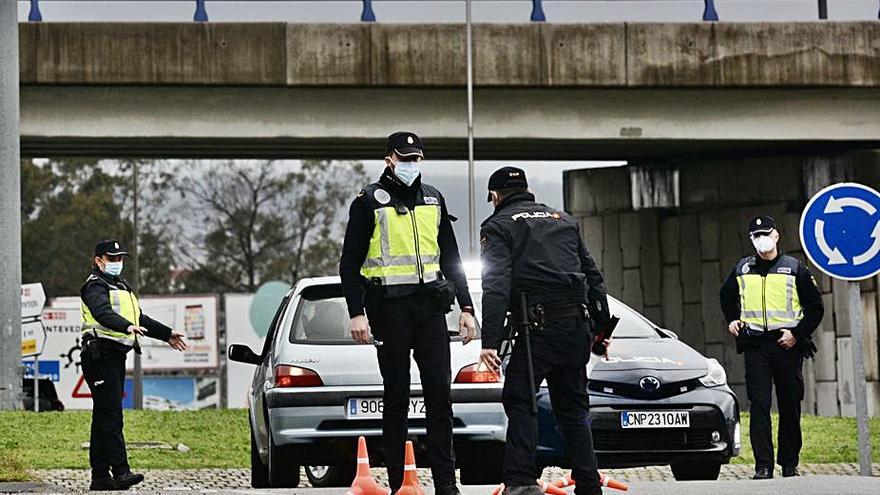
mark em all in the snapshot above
pixel 612 483
pixel 410 484
pixel 364 483
pixel 605 481
pixel 548 488
pixel 565 481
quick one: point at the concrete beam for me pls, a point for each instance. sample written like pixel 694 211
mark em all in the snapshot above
pixel 809 54
pixel 511 123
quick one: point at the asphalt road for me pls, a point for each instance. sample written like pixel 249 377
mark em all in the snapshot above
pixel 806 485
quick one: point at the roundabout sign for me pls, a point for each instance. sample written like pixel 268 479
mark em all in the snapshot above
pixel 840 231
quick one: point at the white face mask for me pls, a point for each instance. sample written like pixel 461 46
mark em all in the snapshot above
pixel 763 244
pixel 113 268
pixel 406 172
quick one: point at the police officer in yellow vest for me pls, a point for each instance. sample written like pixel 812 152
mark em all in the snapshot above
pixel 112 322
pixel 772 307
pixel 401 271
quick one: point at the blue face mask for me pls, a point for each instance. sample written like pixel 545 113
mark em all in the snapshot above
pixel 113 268
pixel 407 172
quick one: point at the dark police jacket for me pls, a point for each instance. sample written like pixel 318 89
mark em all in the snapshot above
pixel 95 293
pixel 528 246
pixel 361 223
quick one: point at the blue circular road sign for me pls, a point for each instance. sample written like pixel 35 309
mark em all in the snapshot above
pixel 840 231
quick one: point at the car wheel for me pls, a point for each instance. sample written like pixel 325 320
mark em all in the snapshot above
pixel 282 472
pixel 259 471
pixel 331 476
pixel 700 470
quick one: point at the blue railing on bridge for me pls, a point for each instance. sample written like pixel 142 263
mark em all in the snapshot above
pixel 368 15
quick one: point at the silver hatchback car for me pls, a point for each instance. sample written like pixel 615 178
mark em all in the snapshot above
pixel 315 391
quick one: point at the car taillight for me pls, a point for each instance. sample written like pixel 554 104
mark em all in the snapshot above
pixel 294 376
pixel 477 373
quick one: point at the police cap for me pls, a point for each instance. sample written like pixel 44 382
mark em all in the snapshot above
pixel 761 224
pixel 507 178
pixel 110 247
pixel 404 144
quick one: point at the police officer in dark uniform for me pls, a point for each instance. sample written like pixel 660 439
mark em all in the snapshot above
pixel 112 322
pixel 532 248
pixel 772 307
pixel 400 267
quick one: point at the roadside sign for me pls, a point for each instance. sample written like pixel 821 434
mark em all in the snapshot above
pixel 33 338
pixel 840 231
pixel 33 298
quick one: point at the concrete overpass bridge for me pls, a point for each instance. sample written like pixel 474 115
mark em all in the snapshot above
pixel 543 91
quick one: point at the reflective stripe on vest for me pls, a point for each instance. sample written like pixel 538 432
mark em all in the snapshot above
pixel 769 302
pixel 126 305
pixel 404 247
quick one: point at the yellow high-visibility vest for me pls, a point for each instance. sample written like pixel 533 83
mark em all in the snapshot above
pixel 769 302
pixel 403 248
pixel 123 302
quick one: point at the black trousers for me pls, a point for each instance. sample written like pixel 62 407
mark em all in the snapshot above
pixel 106 379
pixel 768 363
pixel 559 354
pixel 414 323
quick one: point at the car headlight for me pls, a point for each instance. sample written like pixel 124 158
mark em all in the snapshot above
pixel 715 375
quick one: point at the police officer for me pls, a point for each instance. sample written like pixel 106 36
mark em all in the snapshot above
pixel 399 245
pixel 112 321
pixel 532 248
pixel 772 307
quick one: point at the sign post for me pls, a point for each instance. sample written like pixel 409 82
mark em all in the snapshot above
pixel 33 335
pixel 840 233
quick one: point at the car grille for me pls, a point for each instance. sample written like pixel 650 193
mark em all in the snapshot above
pixel 643 439
pixel 634 391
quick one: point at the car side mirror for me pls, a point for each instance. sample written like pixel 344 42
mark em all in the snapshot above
pixel 243 354
pixel 666 333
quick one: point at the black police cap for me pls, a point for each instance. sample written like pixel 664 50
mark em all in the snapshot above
pixel 761 224
pixel 507 178
pixel 110 247
pixel 404 144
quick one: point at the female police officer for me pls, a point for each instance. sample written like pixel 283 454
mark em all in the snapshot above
pixel 111 323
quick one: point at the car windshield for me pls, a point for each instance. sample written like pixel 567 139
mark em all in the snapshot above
pixel 632 324
pixel 322 316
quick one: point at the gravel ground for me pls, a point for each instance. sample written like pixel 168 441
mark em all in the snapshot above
pixel 234 479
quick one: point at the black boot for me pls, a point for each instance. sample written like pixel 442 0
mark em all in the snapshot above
pixel 788 472
pixel 128 479
pixel 763 473
pixel 105 485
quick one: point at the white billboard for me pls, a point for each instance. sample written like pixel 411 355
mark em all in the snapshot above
pixel 193 316
pixel 239 331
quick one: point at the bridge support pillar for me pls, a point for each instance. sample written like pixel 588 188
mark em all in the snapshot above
pixel 10 211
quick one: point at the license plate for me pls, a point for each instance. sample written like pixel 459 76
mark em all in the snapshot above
pixel 372 408
pixel 655 419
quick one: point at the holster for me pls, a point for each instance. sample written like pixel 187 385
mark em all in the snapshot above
pixel 92 347
pixel 442 294
pixel 372 297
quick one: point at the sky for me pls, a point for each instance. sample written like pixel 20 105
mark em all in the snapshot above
pixel 450 10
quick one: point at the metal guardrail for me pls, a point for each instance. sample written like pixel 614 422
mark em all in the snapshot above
pixel 368 15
